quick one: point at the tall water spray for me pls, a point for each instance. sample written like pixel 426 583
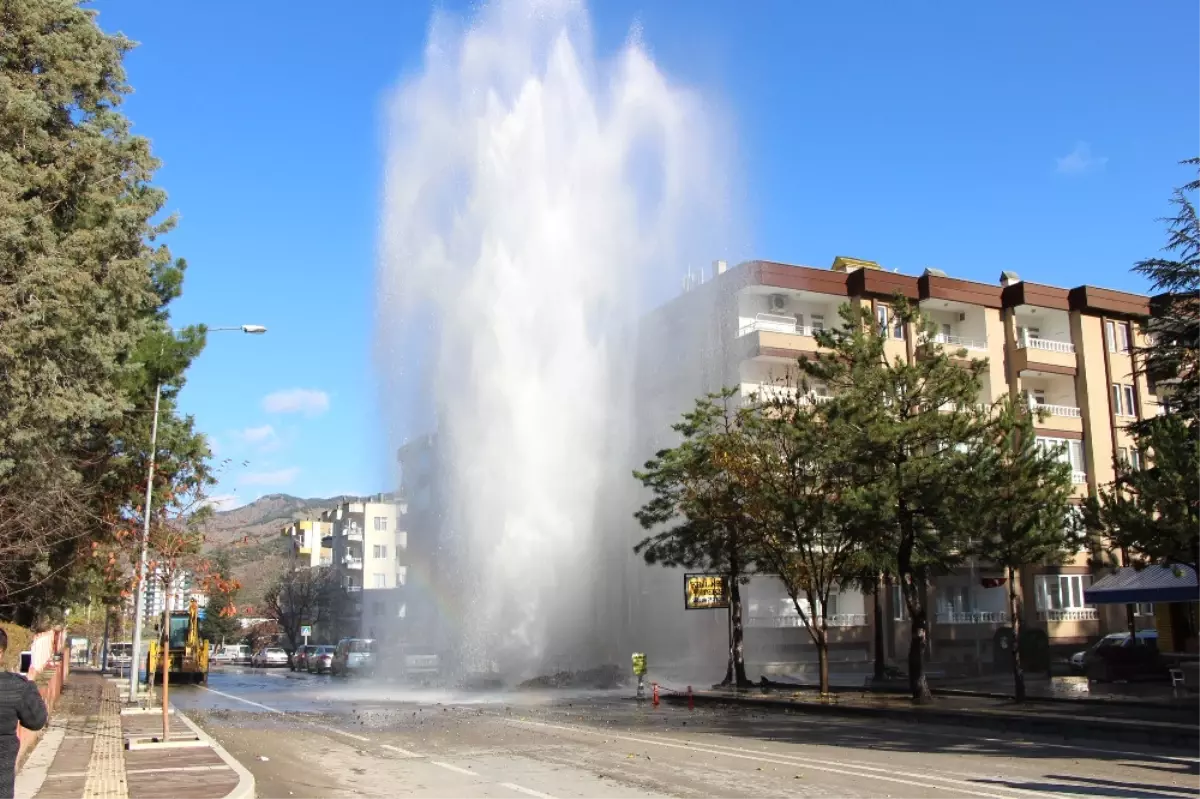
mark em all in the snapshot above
pixel 536 199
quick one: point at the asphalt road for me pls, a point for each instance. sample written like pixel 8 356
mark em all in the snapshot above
pixel 309 736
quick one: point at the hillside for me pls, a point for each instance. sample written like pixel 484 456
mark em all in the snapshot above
pixel 250 537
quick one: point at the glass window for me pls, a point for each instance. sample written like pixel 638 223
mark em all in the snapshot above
pixel 379 550
pixel 818 321
pixel 881 319
pixel 799 323
pixel 1061 591
pixel 381 523
pixel 1127 392
pixel 179 631
pixel 1110 336
pixel 899 609
pixel 1123 338
pixel 1135 459
pixel 380 580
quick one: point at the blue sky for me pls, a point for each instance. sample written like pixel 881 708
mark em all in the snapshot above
pixel 973 137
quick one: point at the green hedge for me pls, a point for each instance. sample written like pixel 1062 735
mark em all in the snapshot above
pixel 19 639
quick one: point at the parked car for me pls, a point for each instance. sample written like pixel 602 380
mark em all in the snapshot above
pixel 120 654
pixel 231 654
pixel 353 656
pixel 320 660
pixel 300 657
pixel 269 657
pixel 1117 657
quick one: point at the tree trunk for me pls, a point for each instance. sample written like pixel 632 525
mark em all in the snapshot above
pixel 166 661
pixel 823 653
pixel 917 683
pixel 918 623
pixel 880 655
pixel 739 649
pixel 1014 613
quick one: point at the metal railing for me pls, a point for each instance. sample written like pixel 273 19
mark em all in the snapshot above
pixel 352 562
pixel 960 341
pixel 352 589
pixel 794 620
pixel 775 323
pixel 1068 614
pixel 973 617
pixel 1048 344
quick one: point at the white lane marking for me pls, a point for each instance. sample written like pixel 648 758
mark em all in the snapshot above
pixel 400 751
pixel 512 786
pixel 785 760
pixel 348 734
pixel 452 767
pixel 247 701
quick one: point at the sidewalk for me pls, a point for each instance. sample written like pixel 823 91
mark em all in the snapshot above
pixel 1125 721
pixel 84 752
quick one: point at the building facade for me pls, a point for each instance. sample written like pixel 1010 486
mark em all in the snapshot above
pixel 1070 352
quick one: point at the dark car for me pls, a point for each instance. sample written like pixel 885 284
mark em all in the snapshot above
pixel 300 657
pixel 1120 657
pixel 319 660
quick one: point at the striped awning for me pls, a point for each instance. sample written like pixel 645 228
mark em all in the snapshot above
pixel 1150 584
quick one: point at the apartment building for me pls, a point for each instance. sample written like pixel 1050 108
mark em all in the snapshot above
pixel 1071 352
pixel 312 543
pixel 183 590
pixel 367 553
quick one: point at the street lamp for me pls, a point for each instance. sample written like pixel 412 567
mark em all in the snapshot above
pixel 140 596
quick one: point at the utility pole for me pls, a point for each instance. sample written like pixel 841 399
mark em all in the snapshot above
pixel 139 601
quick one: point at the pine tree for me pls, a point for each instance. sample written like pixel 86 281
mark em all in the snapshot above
pixel 1019 509
pixel 695 496
pixel 905 422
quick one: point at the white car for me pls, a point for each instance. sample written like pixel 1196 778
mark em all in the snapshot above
pixel 270 657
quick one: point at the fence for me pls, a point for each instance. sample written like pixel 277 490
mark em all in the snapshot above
pixel 48 670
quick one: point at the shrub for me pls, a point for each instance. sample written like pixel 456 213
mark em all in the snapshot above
pixel 19 639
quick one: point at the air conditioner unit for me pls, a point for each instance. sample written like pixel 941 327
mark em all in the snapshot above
pixel 777 302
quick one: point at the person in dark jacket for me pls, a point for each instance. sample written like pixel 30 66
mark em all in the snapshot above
pixel 19 702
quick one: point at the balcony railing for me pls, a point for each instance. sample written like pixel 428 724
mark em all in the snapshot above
pixel 1048 344
pixel 325 562
pixel 775 323
pixel 352 562
pixel 1078 478
pixel 1058 410
pixel 354 534
pixel 960 341
pixel 973 617
pixel 353 589
pixel 834 620
pixel 1068 614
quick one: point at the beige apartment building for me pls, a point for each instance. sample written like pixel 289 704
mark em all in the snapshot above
pixel 1068 351
pixel 363 542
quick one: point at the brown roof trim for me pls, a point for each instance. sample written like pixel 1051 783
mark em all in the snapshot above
pixel 877 283
pixel 939 287
pixel 1090 299
pixel 1025 293
pixel 800 278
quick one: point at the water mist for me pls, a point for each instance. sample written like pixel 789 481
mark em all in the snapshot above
pixel 536 200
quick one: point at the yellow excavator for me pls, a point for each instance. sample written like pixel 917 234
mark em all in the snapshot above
pixel 187 653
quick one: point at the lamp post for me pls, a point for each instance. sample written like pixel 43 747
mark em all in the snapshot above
pixel 140 595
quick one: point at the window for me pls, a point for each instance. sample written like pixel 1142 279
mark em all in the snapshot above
pixel 881 319
pixel 1061 591
pixel 947 331
pixel 1135 459
pixel 380 580
pixel 954 599
pixel 899 609
pixel 1143 609
pixel 890 324
pixel 1110 335
pixel 380 522
pixel 379 551
pixel 1037 396
pixel 1123 400
pixel 799 323
pixel 818 321
pixel 1123 338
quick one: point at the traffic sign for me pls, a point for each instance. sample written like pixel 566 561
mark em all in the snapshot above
pixel 306 631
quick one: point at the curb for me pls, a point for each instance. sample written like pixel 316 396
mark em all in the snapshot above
pixel 951 691
pixel 245 787
pixel 1157 733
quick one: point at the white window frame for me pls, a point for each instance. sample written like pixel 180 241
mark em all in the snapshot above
pixel 381 524
pixel 1110 335
pixel 1124 337
pixel 380 580
pixel 818 322
pixel 1068 592
pixel 899 607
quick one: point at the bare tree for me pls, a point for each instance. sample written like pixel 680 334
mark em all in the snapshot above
pixel 300 597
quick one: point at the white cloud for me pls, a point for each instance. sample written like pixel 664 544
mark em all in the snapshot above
pixel 224 502
pixel 1080 161
pixel 258 435
pixel 278 477
pixel 309 401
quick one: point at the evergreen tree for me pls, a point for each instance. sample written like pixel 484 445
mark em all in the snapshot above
pixel 84 288
pixel 1020 508
pixel 220 624
pixel 1173 354
pixel 695 496
pixel 905 423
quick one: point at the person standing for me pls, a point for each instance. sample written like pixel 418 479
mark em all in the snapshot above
pixel 19 702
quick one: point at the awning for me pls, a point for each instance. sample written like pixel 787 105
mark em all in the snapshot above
pixel 1151 584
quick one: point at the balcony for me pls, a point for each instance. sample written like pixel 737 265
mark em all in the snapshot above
pixel 1035 354
pixel 1057 417
pixel 775 336
pixel 793 620
pixel 1078 478
pixel 960 342
pixel 351 562
pixel 325 562
pixel 354 534
pixel 1068 614
pixel 353 589
pixel 973 617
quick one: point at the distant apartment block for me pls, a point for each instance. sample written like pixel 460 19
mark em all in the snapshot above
pixel 1069 352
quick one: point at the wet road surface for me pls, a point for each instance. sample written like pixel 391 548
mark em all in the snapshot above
pixel 313 736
